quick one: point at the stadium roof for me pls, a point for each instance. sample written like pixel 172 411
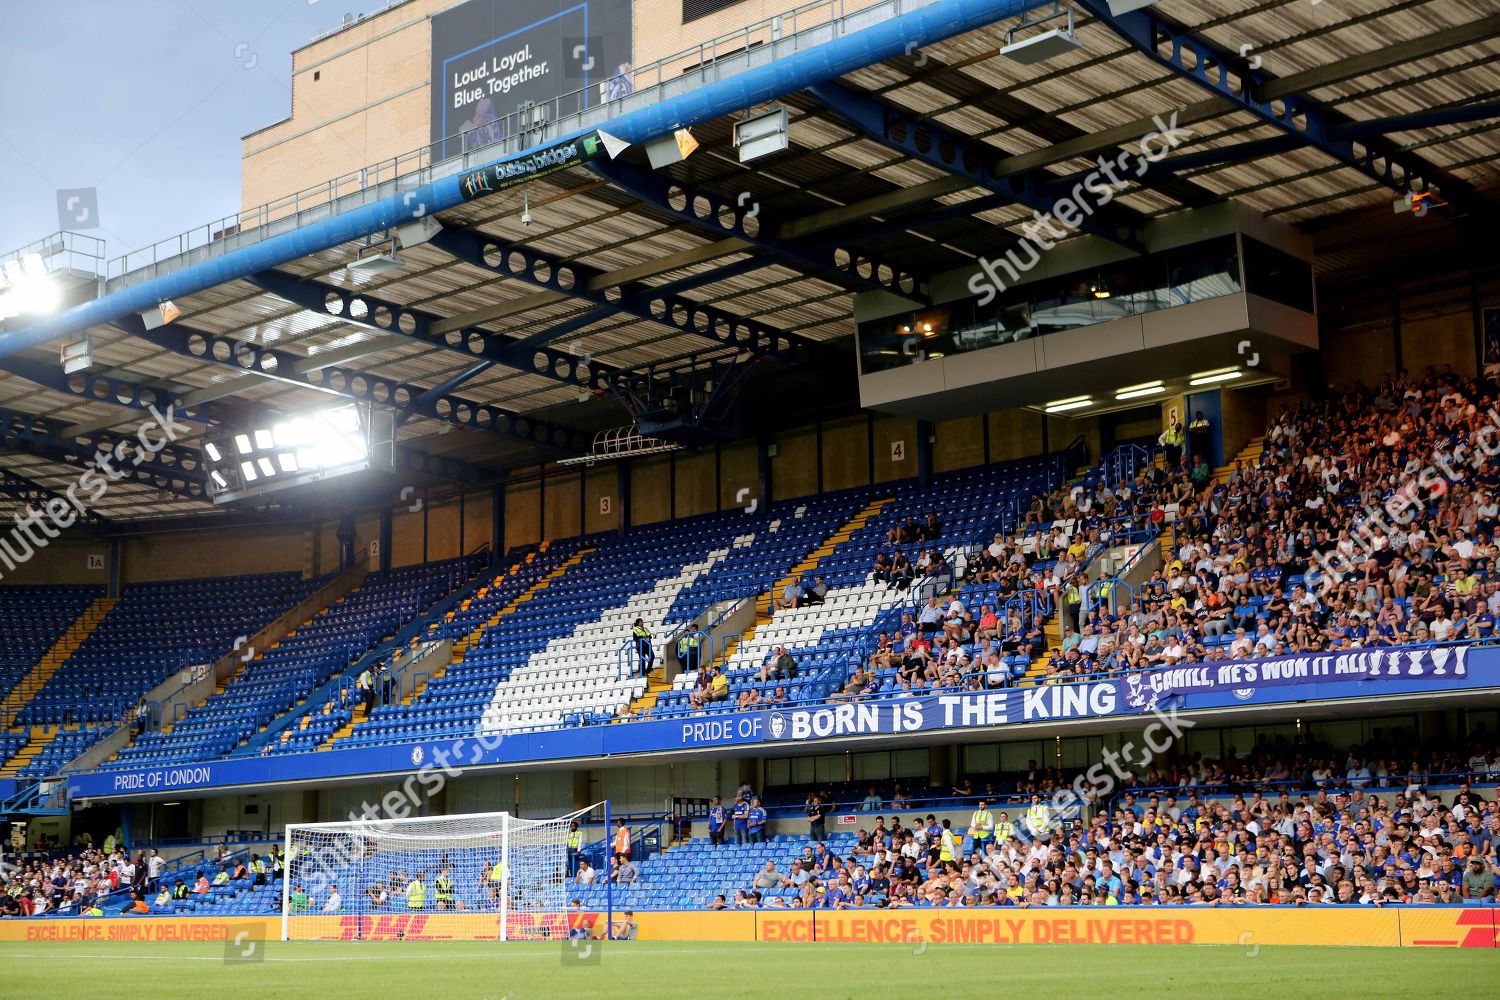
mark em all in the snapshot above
pixel 915 148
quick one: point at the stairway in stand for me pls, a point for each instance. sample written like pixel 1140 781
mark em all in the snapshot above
pixel 656 682
pixel 1038 668
pixel 810 563
pixel 36 741
pixel 1249 457
pixel 53 659
pixel 462 646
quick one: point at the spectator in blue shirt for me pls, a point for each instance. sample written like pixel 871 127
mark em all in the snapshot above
pixel 717 818
pixel 756 821
pixel 741 816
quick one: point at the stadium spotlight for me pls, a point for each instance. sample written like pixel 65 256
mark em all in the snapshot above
pixel 287 452
pixel 762 135
pixel 1071 403
pixel 1418 203
pixel 1137 391
pixel 375 259
pixel 26 286
pixel 1217 375
pixel 159 315
pixel 77 355
pixel 669 149
pixel 1048 45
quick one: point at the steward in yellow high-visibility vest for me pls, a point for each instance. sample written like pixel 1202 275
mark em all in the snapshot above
pixel 444 893
pixel 946 847
pixel 687 651
pixel 575 845
pixel 1038 817
pixel 981 825
pixel 1004 830
pixel 641 636
pixel 496 878
pixel 416 894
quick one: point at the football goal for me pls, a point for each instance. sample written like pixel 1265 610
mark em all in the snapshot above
pixel 468 877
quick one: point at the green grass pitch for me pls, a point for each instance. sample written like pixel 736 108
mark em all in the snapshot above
pixel 316 970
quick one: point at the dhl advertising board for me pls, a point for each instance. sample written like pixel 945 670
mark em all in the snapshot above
pixel 1250 927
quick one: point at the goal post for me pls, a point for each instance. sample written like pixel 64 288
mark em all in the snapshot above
pixel 476 876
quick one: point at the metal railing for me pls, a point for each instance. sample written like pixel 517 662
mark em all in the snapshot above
pixel 64 250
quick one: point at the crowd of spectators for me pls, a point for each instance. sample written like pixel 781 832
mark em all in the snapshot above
pixel 112 881
pixel 1268 827
pixel 83 882
pixel 1369 520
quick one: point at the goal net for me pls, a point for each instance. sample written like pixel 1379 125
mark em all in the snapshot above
pixel 468 877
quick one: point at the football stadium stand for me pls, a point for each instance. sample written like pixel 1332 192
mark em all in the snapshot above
pixel 640 498
pixel 287 673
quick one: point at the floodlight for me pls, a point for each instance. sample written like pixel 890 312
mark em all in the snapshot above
pixel 213 452
pixel 762 135
pixel 375 260
pixel 77 356
pixel 26 286
pixel 1071 403
pixel 1047 45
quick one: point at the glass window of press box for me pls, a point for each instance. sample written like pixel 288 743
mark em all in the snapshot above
pixel 1192 273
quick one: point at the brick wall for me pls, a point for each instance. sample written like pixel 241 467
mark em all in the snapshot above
pixel 362 95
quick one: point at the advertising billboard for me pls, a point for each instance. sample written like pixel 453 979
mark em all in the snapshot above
pixel 492 58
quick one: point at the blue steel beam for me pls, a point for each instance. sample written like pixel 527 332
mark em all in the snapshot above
pixel 116 456
pixel 363 309
pixel 941 147
pixel 1219 156
pixel 575 323
pixel 352 384
pixel 413 459
pixel 1228 75
pixel 100 388
pixel 659 305
pixel 843 53
pixel 727 217
pixel 1421 119
pixel 18 487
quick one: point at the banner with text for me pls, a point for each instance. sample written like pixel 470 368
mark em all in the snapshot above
pixel 1199 687
pixel 493 58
